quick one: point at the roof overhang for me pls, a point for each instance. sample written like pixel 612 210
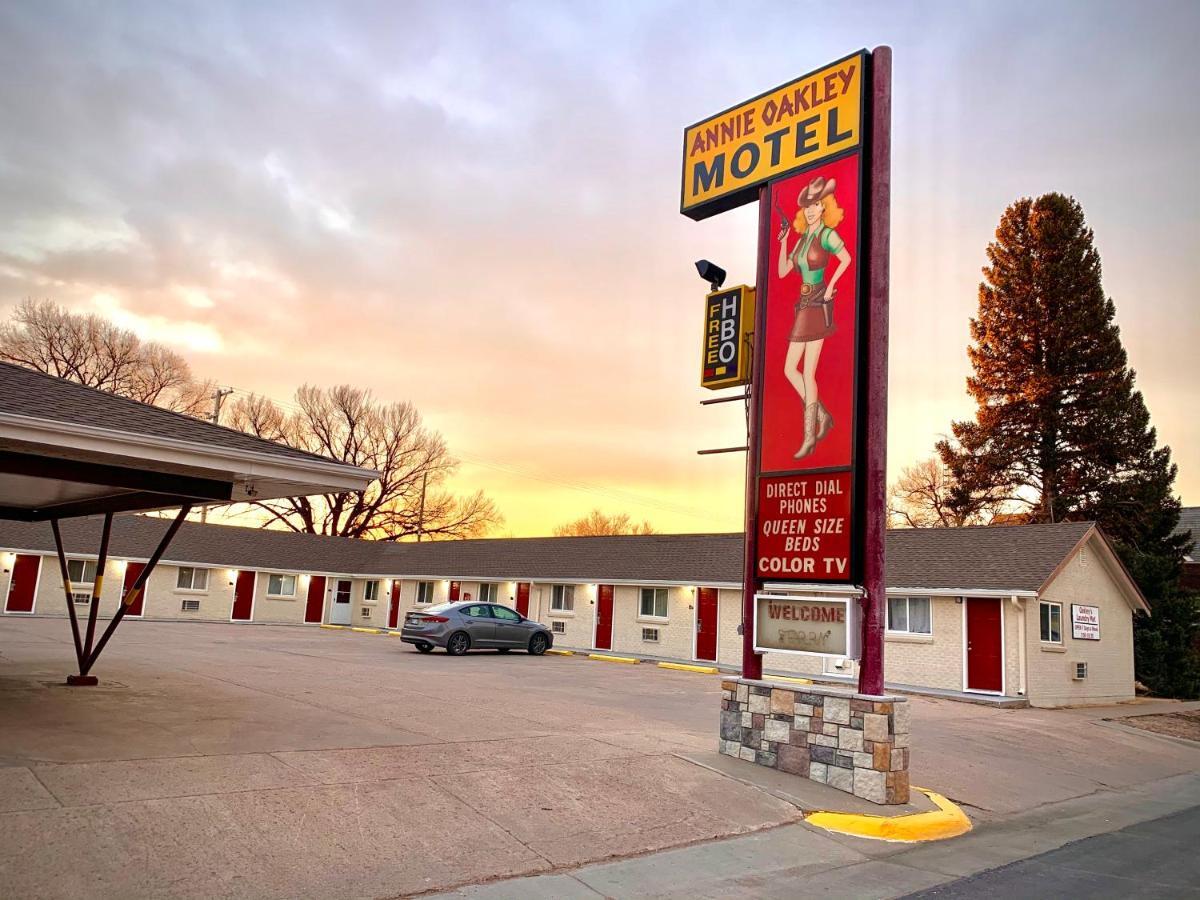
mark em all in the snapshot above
pixel 53 469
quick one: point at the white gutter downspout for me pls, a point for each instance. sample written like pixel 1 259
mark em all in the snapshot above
pixel 1021 660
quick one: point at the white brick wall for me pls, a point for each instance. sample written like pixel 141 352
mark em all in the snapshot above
pixel 1083 580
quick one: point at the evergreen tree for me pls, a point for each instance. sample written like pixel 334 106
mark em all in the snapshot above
pixel 1059 429
pixel 1166 646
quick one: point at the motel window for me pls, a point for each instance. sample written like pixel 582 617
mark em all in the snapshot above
pixel 487 593
pixel 371 592
pixel 424 591
pixel 558 627
pixel 81 571
pixel 654 603
pixel 562 598
pixel 1051 622
pixel 192 579
pixel 281 585
pixel 909 615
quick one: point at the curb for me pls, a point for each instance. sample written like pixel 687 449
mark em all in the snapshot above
pixel 561 652
pixel 787 678
pixel 947 822
pixel 617 659
pixel 394 633
pixel 683 667
pixel 362 630
pixel 335 627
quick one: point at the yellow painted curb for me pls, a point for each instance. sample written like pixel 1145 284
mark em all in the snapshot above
pixel 621 659
pixel 703 670
pixel 789 678
pixel 949 821
pixel 395 633
pixel 562 652
pixel 335 627
pixel 366 630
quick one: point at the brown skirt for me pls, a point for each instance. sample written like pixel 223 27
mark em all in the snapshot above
pixel 810 319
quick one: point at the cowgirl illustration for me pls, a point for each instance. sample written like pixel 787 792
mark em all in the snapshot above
pixel 818 243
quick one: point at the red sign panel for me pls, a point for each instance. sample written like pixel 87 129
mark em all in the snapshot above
pixel 808 385
pixel 804 527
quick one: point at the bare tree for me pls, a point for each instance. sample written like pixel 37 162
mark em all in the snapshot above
pixel 926 496
pixel 599 523
pixel 347 424
pixel 92 351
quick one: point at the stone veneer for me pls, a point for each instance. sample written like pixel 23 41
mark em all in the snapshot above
pixel 853 742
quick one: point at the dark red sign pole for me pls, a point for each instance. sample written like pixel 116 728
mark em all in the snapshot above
pixel 751 661
pixel 870 671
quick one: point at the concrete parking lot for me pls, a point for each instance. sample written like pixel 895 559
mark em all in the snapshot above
pixel 250 761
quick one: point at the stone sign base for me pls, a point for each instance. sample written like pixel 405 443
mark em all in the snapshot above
pixel 853 742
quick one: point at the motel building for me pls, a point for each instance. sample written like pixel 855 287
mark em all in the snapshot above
pixel 1037 614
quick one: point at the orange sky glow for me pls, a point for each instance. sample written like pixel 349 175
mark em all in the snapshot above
pixel 479 213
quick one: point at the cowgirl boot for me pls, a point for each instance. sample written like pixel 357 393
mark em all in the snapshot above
pixel 810 431
pixel 824 421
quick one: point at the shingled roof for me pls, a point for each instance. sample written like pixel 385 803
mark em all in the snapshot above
pixel 26 392
pixel 1002 558
pixel 1189 520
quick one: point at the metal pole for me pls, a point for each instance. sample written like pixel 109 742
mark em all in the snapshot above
pixel 98 586
pixel 66 582
pixel 870 673
pixel 751 661
pixel 138 585
pixel 421 510
pixel 218 399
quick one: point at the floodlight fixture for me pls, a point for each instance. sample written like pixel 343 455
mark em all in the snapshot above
pixel 711 272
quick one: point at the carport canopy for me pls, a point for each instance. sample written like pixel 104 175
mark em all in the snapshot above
pixel 67 450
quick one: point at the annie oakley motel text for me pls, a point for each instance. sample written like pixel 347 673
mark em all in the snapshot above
pixel 793 125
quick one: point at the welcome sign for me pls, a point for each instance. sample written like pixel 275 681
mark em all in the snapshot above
pixel 814 626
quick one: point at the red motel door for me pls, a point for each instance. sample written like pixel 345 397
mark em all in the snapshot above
pixel 455 587
pixel 706 624
pixel 314 604
pixel 132 572
pixel 243 597
pixel 523 598
pixel 23 584
pixel 394 612
pixel 984 658
pixel 604 617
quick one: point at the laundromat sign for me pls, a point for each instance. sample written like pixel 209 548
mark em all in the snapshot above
pixel 726 156
pixel 814 626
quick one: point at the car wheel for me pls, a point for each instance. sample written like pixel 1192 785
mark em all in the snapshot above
pixel 458 644
pixel 538 644
pixel 425 648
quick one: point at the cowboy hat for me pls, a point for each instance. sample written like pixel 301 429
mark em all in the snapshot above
pixel 818 189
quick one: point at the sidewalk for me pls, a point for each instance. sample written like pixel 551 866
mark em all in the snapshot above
pixel 797 861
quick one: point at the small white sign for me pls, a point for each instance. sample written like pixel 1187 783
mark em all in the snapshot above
pixel 1085 622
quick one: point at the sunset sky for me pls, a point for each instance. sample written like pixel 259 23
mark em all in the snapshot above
pixel 474 206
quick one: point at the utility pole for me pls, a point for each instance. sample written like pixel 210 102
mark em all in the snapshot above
pixel 421 509
pixel 218 397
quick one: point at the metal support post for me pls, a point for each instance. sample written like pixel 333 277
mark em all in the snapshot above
pixel 870 674
pixel 98 586
pixel 66 583
pixel 134 591
pixel 751 661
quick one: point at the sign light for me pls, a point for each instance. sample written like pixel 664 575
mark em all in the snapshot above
pixel 726 156
pixel 728 328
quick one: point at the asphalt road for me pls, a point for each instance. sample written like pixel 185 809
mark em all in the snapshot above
pixel 1158 858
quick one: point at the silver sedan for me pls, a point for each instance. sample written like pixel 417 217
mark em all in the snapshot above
pixel 464 626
